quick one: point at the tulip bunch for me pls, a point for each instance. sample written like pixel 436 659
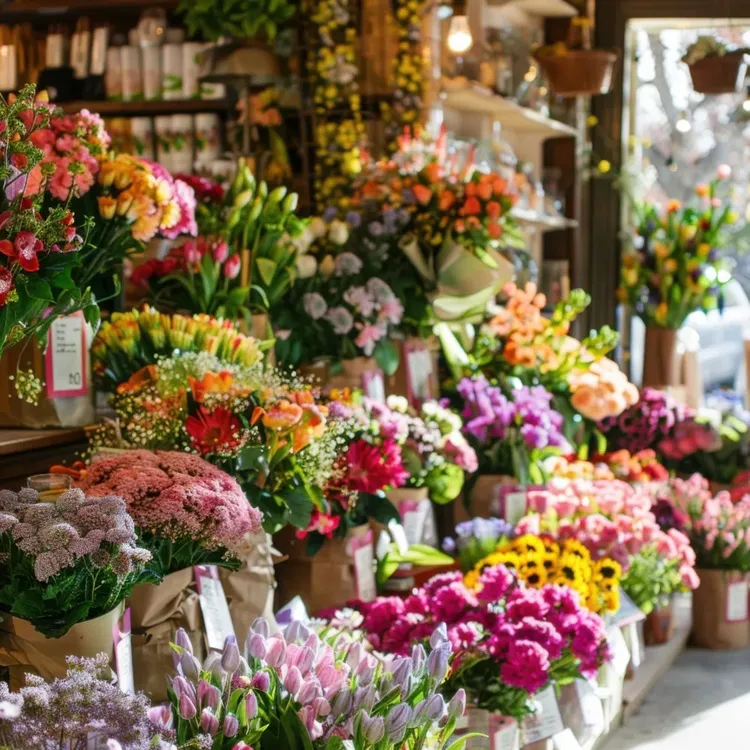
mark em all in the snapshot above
pixel 301 688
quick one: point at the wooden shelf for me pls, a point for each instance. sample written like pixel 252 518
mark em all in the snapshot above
pixel 542 222
pixel 543 8
pixel 108 108
pixel 473 98
pixel 14 441
pixel 61 7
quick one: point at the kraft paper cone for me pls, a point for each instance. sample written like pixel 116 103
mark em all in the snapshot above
pixel 250 589
pixel 23 649
pixel 484 495
pixel 323 581
pixel 156 612
pixel 710 626
pixel 661 364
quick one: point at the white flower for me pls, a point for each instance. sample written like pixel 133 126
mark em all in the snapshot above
pixel 303 241
pixel 9 710
pixel 359 298
pixel 380 290
pixel 282 334
pixel 397 403
pixel 338 232
pixel 347 264
pixel 306 266
pixel 317 227
pixel 341 320
pixel 314 304
pixel 327 266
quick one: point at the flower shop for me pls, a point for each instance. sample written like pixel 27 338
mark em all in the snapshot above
pixel 374 371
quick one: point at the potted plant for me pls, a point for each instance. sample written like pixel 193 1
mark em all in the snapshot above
pixel 251 26
pixel 716 67
pixel 674 268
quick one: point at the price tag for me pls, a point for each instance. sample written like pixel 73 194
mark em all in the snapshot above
pixel 294 610
pixel 621 655
pixel 515 506
pixel 566 741
pixel 418 374
pixel 364 573
pixel 546 722
pixel 737 601
pixel 591 705
pixel 124 654
pixel 374 386
pixel 65 358
pixel 214 606
pixel 504 733
pixel 414 522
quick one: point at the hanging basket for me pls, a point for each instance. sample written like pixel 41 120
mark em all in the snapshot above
pixel 584 72
pixel 723 74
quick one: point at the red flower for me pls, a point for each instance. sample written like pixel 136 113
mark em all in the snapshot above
pixel 232 267
pixel 6 283
pixel 5 217
pixel 372 468
pixel 26 246
pixel 214 431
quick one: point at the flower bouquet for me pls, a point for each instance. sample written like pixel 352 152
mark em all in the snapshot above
pixel 719 531
pixel 476 539
pixel 509 641
pixel 674 269
pixel 612 519
pixel 66 568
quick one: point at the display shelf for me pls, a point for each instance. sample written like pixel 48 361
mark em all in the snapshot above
pixel 475 99
pixel 542 222
pixel 543 8
pixel 108 108
pixel 63 7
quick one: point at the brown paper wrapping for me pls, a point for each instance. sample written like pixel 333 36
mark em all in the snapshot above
pixel 661 364
pixel 250 589
pixel 710 628
pixel 23 649
pixel 58 412
pixel 484 495
pixel 324 580
pixel 156 612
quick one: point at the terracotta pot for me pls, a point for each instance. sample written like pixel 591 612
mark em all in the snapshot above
pixel 720 610
pixel 661 365
pixel 24 649
pixel 719 75
pixel 659 625
pixel 579 72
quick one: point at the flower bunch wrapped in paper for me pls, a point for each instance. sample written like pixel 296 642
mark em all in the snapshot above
pixel 538 560
pixel 675 265
pixel 187 511
pixel 613 519
pixel 509 640
pixel 66 562
pixel 476 539
pixel 512 434
pixel 433 449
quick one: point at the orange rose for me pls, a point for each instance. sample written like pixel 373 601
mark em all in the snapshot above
pixel 422 194
pixel 484 191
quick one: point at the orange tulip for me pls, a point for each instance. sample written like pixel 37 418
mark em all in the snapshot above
pixel 447 199
pixel 422 194
pixel 283 415
pixel 210 383
pixel 494 229
pixel 472 206
pixel 258 412
pixel 432 171
pixel 484 191
pixel 138 380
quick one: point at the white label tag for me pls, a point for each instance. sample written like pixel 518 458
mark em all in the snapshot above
pixel 546 722
pixel 215 608
pixel 737 602
pixel 364 574
pixel 504 733
pixel 591 706
pixel 419 369
pixel 566 741
pixel 124 656
pixel 414 522
pixel 621 655
pixel 515 507
pixel 374 387
pixel 399 536
pixel 66 363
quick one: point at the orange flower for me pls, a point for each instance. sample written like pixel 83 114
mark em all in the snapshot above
pixel 673 206
pixel 460 225
pixel 472 206
pixel 493 210
pixel 499 187
pixel 258 412
pixel 211 383
pixel 447 199
pixel 471 189
pixel 302 398
pixel 432 171
pixel 494 230
pixel 422 194
pixel 283 415
pixel 484 191
pixel 702 190
pixel 107 206
pixel 139 380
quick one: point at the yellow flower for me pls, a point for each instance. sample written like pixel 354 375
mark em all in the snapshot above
pixel 107 206
pixel 163 192
pixel 608 569
pixel 535 576
pixel 661 312
pixel 661 249
pixel 612 599
pixel 170 215
pixel 528 543
pixel 630 276
pixel 604 166
pixel 592 121
pixel 670 265
pixel 471 579
pixel 732 217
pixel 574 547
pixel 703 249
pixel 687 232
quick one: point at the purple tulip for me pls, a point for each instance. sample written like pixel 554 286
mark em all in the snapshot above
pixel 213 698
pixel 182 687
pixel 373 727
pixel 321 707
pixel 401 670
pixel 209 722
pixel 431 709
pixel 310 690
pixel 256 646
pixel 276 651
pixel 241 746
pixel 365 672
pixel 190 666
pixel 251 705
pixel 305 660
pixel 161 717
pixel 418 658
pixel 354 657
pixel 213 665
pixel 313 643
pixel 260 626
pixel 439 636
pixel 230 656
pixel 365 697
pixel 328 676
pixel 342 703
pixel 457 704
pixel 186 707
pixel 261 681
pixel 231 725
pixel 437 662
pixel 182 639
pixel 397 721
pixel 293 681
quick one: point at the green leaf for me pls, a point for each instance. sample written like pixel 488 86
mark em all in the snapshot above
pixel 300 506
pixel 266 269
pixel 92 315
pixel 386 355
pixel 38 288
pixel 62 279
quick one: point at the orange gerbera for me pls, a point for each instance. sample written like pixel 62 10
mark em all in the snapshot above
pixel 422 194
pixel 139 380
pixel 211 382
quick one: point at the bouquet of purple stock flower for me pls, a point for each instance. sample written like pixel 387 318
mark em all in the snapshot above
pixel 475 539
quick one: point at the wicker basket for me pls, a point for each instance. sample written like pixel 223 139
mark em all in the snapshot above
pixel 582 72
pixel 719 75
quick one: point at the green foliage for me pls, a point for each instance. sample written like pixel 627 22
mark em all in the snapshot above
pixel 238 19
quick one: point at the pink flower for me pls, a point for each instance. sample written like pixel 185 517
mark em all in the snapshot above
pixel 724 171
pixel 371 468
pixel 26 246
pixel 220 252
pixel 689 577
pixel 368 336
pixel 6 284
pixel 527 666
pixel 391 311
pixel 232 267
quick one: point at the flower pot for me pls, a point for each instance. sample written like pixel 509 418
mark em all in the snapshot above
pixel 720 610
pixel 328 579
pixel 661 365
pixel 250 589
pixel 24 649
pixel 659 625
pixel 156 612
pixel 60 404
pixel 723 74
pixel 579 72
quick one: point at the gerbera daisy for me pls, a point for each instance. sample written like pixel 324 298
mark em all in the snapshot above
pixel 214 432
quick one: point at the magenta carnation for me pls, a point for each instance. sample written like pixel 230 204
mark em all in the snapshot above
pixel 526 667
pixel 495 583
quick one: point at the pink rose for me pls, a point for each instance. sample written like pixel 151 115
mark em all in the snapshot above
pixel 689 577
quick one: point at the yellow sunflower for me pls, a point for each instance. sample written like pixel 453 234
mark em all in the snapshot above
pixel 509 559
pixel 574 547
pixel 528 543
pixel 534 575
pixel 608 569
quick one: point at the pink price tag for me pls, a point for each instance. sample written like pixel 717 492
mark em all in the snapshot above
pixel 363 554
pixel 65 360
pixel 419 374
pixel 373 385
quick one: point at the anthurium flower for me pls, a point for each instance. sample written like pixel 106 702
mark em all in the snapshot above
pixel 24 249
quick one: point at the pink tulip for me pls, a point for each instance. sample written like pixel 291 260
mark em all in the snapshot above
pixel 232 267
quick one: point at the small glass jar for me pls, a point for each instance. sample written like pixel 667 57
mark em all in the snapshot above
pixel 49 486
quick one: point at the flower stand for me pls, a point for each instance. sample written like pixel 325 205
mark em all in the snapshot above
pixel 250 589
pixel 720 610
pixel 156 613
pixel 23 649
pixel 337 574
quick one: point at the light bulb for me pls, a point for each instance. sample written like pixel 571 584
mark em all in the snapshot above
pixel 459 35
pixel 683 125
pixel 746 105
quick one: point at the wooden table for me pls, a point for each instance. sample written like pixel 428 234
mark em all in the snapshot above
pixel 26 452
